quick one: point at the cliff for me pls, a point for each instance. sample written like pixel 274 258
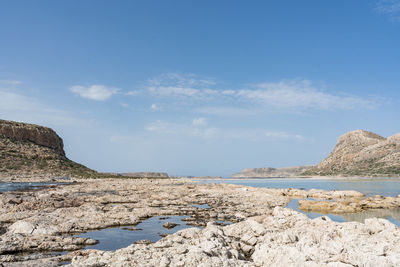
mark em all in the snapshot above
pixel 271 172
pixel 361 153
pixel 32 150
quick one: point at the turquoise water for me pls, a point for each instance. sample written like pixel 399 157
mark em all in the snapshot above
pixel 370 187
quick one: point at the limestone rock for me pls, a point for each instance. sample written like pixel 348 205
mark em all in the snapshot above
pixel 271 172
pixel 361 153
pixel 39 135
pixel 31 150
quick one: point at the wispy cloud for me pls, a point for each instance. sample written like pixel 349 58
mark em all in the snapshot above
pixel 302 94
pixel 389 7
pixel 174 84
pixel 10 82
pixel 199 122
pixel 155 107
pixel 132 93
pixel 199 129
pixel 94 92
pixel 16 106
pixel 292 94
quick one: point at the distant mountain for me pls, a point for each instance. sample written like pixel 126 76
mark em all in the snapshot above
pixel 29 150
pixel 271 172
pixel 361 153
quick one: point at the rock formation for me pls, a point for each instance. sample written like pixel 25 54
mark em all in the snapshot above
pixel 28 149
pixel 24 132
pixel 362 153
pixel 271 172
pixel 146 174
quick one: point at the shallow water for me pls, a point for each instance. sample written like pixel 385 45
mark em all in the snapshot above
pixel 201 206
pixel 6 187
pixel 150 229
pixel 393 215
pixel 367 186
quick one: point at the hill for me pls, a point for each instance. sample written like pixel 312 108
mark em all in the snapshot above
pixel 271 172
pixel 361 153
pixel 33 150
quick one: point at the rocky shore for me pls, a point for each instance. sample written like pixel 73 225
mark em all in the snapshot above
pixel 35 223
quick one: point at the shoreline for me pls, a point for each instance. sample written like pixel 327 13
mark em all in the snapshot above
pixel 49 215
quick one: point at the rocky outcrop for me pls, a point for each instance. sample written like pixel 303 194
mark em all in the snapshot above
pixel 284 238
pixel 28 150
pixel 146 174
pixel 38 135
pixel 361 153
pixel 271 172
pixel 261 234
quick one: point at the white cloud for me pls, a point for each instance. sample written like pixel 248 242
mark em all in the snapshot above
pixel 172 90
pixel 293 94
pixel 182 80
pixel 94 92
pixel 199 122
pixel 132 93
pixel 301 94
pixel 155 107
pixel 174 84
pixel 195 130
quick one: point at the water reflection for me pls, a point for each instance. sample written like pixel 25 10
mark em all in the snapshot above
pixel 151 229
pixel 391 214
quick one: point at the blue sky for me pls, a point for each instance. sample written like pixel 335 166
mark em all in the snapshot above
pixel 201 87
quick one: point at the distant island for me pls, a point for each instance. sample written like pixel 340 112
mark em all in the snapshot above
pixel 271 172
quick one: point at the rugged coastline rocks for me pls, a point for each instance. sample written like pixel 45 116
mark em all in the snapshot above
pixel 285 238
pixel 46 220
pixel 349 205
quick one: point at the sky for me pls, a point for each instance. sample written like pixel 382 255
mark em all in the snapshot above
pixel 201 87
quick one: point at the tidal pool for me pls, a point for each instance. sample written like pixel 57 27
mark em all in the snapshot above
pixel 120 237
pixel 6 187
pixel 392 215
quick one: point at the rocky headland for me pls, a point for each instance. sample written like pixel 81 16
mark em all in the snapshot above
pixel 294 171
pixel 28 150
pixel 361 153
pixel 146 174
